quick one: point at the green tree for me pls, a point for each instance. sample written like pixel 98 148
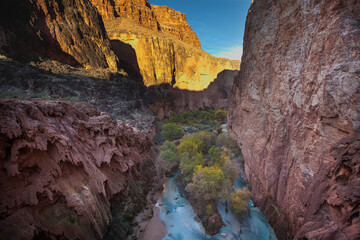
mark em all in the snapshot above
pixel 206 183
pixel 239 201
pixel 190 155
pixel 168 145
pixel 189 163
pixel 191 145
pixel 207 138
pixel 169 156
pixel 215 157
pixel 171 131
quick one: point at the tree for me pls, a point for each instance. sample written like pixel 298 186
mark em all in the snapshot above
pixel 168 145
pixel 215 157
pixel 190 145
pixel 169 156
pixel 239 201
pixel 206 183
pixel 171 131
pixel 207 138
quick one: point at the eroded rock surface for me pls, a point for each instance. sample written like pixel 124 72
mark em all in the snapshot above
pixel 295 113
pixel 68 31
pixel 168 54
pixel 62 164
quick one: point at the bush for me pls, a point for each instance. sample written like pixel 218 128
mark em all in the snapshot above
pixel 221 115
pixel 171 131
pixel 209 210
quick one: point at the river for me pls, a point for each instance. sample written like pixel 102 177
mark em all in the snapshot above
pixel 177 215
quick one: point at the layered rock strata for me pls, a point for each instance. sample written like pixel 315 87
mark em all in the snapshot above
pixel 138 11
pixel 68 31
pixel 170 54
pixel 175 23
pixel 61 165
pixel 295 113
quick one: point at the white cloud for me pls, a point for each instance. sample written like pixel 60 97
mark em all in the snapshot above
pixel 233 53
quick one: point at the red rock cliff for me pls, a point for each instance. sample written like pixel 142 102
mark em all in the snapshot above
pixel 175 23
pixel 295 112
pixel 138 11
pixel 61 165
pixel 167 50
pixel 64 30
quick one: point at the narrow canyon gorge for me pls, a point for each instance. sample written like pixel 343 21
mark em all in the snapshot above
pixel 116 124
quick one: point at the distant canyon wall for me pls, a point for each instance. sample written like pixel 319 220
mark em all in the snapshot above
pixel 295 112
pixel 166 48
pixel 62 164
pixel 71 32
pixel 163 99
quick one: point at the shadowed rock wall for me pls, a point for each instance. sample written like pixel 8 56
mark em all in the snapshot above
pixel 69 31
pixel 163 99
pixel 295 112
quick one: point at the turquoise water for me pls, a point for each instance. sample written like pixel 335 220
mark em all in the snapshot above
pixel 178 217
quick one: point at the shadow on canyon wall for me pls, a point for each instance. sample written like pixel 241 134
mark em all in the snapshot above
pixel 127 59
pixel 164 98
pixel 18 26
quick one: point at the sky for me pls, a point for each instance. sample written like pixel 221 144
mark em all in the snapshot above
pixel 219 24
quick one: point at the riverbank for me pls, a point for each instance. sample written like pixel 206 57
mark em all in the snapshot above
pixel 155 229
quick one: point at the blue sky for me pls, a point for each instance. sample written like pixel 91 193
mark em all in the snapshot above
pixel 218 23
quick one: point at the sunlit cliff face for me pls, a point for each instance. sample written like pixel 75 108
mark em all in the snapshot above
pixel 167 49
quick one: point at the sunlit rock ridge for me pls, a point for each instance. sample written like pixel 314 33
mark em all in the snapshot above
pixel 295 112
pixel 167 49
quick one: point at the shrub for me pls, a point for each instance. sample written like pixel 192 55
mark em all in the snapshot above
pixel 171 131
pixel 220 115
pixel 209 210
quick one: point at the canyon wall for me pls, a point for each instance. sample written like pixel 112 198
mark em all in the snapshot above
pixel 138 11
pixel 295 112
pixel 175 23
pixel 62 164
pixel 170 54
pixel 163 99
pixel 71 32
